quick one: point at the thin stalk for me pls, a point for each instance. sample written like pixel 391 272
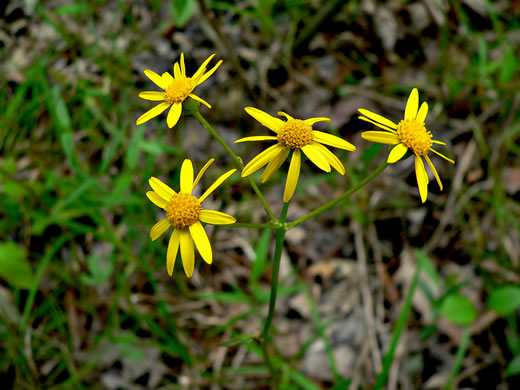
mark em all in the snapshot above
pixel 461 352
pixel 340 198
pixel 401 323
pixel 236 159
pixel 268 225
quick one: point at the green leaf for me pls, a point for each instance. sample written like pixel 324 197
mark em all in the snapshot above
pixel 14 266
pixel 458 309
pixel 504 300
pixel 239 339
pixel 513 368
pixel 428 267
pixel 181 11
pixel 261 250
pixel 134 147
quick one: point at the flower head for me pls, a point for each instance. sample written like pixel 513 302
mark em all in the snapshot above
pixel 176 89
pixel 408 134
pixel 184 213
pixel 294 135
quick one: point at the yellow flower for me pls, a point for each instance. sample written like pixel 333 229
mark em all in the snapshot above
pixel 411 134
pixel 296 135
pixel 176 89
pixel 185 214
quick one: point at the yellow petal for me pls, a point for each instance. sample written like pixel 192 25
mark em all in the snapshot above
pixel 274 164
pixel 205 76
pixel 410 112
pixel 443 156
pixel 167 78
pixel 262 159
pixel 396 153
pixel 187 176
pixel 378 118
pixel 438 142
pixel 201 242
pixel 163 190
pixel 332 140
pixel 187 252
pixel 174 114
pixel 156 199
pixel 292 175
pixel 158 80
pixel 159 228
pixel 331 158
pixel 173 248
pixel 214 217
pixel 202 68
pixel 377 124
pixel 316 157
pixel 434 171
pixel 216 184
pixel 157 110
pixel 287 116
pixel 423 111
pixel 257 138
pixel 177 71
pixel 152 95
pixel 201 172
pixel 200 100
pixel 381 136
pixel 183 66
pixel 265 119
pixel 422 178
pixel 312 121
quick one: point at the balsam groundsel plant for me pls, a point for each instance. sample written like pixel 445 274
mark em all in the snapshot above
pixel 293 137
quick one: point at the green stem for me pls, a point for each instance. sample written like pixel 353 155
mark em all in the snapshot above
pixel 340 198
pixel 236 159
pixel 269 225
pixel 401 323
pixel 461 352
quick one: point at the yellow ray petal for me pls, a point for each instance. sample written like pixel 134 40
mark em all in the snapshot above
pixel 422 178
pixel 274 164
pixel 332 140
pixel 205 76
pixel 158 80
pixel 438 142
pixel 265 119
pixel 174 114
pixel 312 121
pixel 443 156
pixel 434 171
pixel 377 124
pixel 159 228
pixel 410 112
pixel 257 138
pixel 201 172
pixel 152 95
pixel 214 217
pixel 396 153
pixel 163 190
pixel 331 158
pixel 187 252
pixel 167 78
pixel 183 66
pixel 202 68
pixel 381 137
pixel 292 175
pixel 173 248
pixel 150 114
pixel 262 159
pixel 200 238
pixel 316 157
pixel 287 116
pixel 423 111
pixel 156 199
pixel 200 100
pixel 378 118
pixel 187 176
pixel 216 184
pixel 177 71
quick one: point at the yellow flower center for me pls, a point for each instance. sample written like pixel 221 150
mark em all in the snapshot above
pixel 414 136
pixel 183 210
pixel 295 134
pixel 178 90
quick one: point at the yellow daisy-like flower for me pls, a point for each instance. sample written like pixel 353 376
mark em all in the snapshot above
pixel 411 134
pixel 296 135
pixel 176 89
pixel 185 213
